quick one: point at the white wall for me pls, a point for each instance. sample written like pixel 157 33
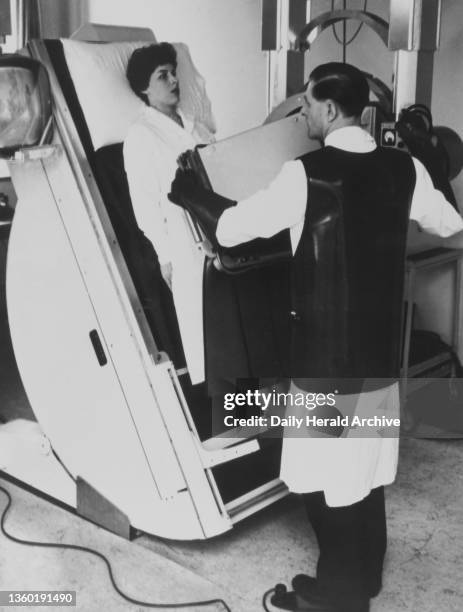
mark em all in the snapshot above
pixel 224 37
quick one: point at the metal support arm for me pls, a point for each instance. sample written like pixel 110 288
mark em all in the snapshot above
pixel 326 20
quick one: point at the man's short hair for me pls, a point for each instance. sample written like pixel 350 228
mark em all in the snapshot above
pixel 144 61
pixel 344 84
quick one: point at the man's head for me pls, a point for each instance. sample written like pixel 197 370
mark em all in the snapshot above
pixel 151 72
pixel 335 97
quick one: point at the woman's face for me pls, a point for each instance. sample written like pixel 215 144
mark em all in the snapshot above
pixel 163 90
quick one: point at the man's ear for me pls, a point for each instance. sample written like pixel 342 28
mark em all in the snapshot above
pixel 332 111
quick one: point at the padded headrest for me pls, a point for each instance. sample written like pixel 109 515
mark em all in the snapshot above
pixel 109 104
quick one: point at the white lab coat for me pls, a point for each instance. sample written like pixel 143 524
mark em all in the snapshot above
pixel 345 468
pixel 151 149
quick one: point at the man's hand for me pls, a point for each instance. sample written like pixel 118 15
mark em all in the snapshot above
pixel 204 206
pixel 185 188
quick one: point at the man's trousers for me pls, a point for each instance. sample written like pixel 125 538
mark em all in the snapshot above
pixel 352 542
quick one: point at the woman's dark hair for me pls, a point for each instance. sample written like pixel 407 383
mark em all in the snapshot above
pixel 342 83
pixel 144 61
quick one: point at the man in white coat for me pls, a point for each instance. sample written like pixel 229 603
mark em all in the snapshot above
pixel 347 206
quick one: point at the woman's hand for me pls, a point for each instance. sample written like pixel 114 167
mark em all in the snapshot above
pixel 166 271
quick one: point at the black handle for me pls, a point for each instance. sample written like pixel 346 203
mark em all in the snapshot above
pixel 98 347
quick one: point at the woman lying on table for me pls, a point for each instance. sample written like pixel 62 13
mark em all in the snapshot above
pixel 154 142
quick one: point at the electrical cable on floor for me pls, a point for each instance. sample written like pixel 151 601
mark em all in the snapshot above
pixel 136 602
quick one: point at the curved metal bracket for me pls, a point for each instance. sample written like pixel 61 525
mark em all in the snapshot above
pixel 325 20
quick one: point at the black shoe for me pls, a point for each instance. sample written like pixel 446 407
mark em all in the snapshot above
pixel 375 591
pixel 306 588
pixel 358 606
pixel 290 600
pixel 304 585
pixel 284 600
